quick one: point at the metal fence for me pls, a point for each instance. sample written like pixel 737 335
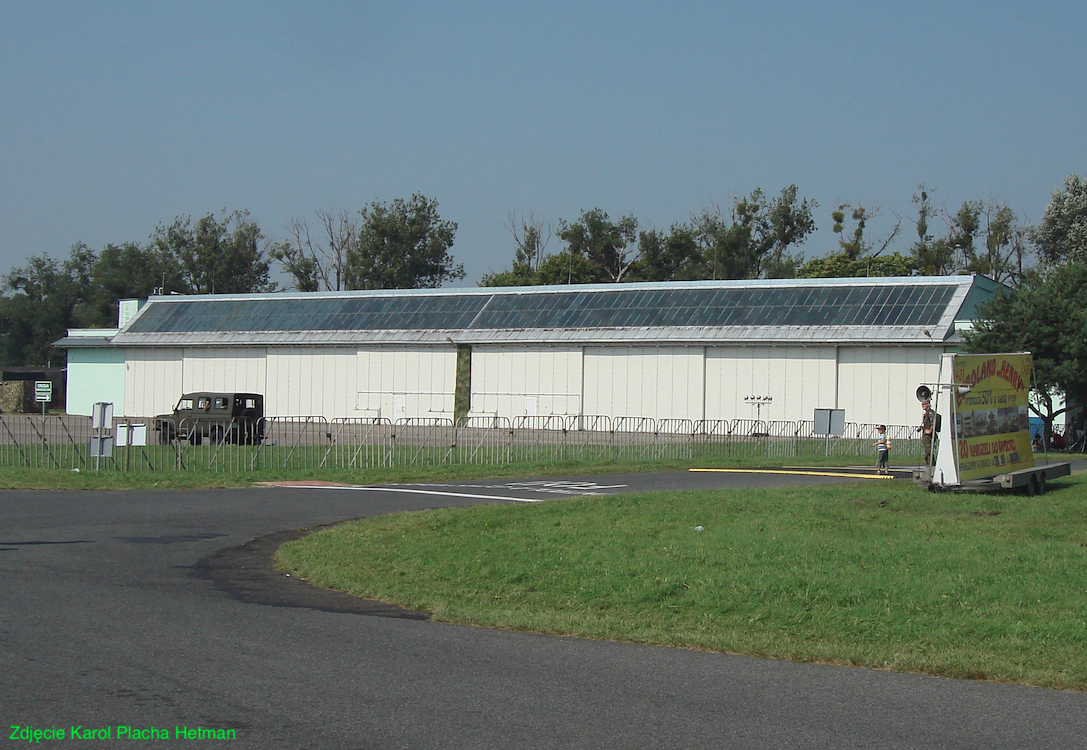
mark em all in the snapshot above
pixel 314 443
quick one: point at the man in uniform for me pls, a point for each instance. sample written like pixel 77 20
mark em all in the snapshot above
pixel 928 423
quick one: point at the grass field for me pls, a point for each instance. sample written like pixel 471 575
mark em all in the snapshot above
pixel 881 575
pixel 199 475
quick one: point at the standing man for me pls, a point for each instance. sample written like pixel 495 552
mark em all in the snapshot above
pixel 928 423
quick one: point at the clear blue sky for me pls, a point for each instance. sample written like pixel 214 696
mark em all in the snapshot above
pixel 119 116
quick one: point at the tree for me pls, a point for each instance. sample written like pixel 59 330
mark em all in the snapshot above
pixel 1061 237
pixel 1006 245
pixel 530 237
pixel 991 224
pixel 674 256
pixel 40 302
pixel 126 271
pixel 787 222
pixel 1047 316
pixel 857 245
pixel 402 245
pixel 318 264
pixel 840 266
pixel 609 246
pixel 754 241
pixel 216 256
pixel 931 255
pixel 859 255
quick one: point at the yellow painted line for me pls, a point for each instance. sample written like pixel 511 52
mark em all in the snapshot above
pixel 810 473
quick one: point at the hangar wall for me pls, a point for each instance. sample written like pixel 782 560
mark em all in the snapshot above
pixel 397 383
pixel 152 381
pixel 659 382
pixel 877 383
pixel 309 381
pixel 799 379
pixel 873 384
pixel 531 381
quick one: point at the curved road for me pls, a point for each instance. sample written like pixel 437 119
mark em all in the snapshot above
pixel 155 611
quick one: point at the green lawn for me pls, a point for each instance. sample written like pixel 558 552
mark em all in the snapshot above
pixel 880 574
pixel 199 475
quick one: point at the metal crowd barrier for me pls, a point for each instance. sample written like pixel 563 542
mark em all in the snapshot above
pixel 313 443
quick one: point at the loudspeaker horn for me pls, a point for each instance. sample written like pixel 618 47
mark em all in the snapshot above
pixel 923 393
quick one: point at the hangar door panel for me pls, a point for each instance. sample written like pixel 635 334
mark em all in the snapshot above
pixel 398 383
pixel 225 370
pixel 661 382
pixel 878 383
pixel 512 382
pixel 153 382
pixel 311 382
pixel 799 379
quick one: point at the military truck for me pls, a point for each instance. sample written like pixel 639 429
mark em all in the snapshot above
pixel 219 417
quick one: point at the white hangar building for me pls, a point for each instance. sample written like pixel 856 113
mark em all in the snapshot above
pixel 690 350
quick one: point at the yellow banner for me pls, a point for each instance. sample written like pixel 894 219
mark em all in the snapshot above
pixel 992 420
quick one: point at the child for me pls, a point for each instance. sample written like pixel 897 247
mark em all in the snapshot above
pixel 883 446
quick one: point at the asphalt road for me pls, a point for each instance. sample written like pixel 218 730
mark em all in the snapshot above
pixel 156 611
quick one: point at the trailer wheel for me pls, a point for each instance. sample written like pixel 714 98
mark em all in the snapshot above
pixel 1032 486
pixel 1041 484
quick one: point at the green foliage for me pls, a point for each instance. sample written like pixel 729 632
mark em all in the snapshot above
pixel 215 255
pixel 607 245
pixel 932 256
pixel 881 575
pixel 754 240
pixel 675 256
pixel 402 245
pixel 840 266
pixel 40 302
pixel 1062 234
pixel 127 271
pixel 1047 316
pixel 991 224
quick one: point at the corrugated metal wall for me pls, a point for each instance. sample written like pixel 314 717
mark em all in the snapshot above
pixel 310 381
pixel 799 379
pixel 873 384
pixel 513 382
pixel 658 382
pixel 397 383
pixel 152 381
pixel 877 383
pixel 235 370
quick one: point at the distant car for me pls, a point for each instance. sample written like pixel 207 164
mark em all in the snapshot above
pixel 219 417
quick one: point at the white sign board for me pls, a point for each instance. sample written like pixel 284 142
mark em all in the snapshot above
pixel 131 434
pixel 102 416
pixel 43 391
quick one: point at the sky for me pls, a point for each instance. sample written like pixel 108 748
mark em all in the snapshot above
pixel 117 117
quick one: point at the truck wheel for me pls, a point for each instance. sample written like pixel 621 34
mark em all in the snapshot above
pixel 196 438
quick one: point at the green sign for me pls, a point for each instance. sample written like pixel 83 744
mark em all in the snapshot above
pixel 43 391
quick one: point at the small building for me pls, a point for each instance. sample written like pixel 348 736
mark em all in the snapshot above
pixel 18 392
pixel 675 350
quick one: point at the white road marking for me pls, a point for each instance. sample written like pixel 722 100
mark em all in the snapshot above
pixel 424 492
